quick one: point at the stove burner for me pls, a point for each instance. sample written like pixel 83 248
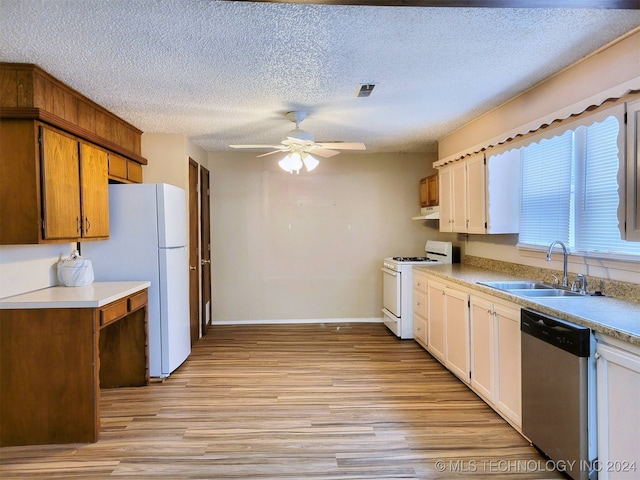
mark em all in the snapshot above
pixel 413 259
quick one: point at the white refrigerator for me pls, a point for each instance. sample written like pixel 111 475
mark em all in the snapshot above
pixel 148 241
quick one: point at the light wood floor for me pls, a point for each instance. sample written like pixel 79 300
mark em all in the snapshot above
pixel 293 402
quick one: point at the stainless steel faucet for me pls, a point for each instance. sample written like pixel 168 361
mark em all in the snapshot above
pixel 565 279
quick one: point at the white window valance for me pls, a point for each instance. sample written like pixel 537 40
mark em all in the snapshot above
pixel 626 89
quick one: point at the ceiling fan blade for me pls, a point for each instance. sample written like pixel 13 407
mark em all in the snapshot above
pixel 271 153
pixel 255 146
pixel 322 152
pixel 343 145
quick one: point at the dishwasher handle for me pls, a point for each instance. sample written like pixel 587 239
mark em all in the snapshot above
pixel 568 336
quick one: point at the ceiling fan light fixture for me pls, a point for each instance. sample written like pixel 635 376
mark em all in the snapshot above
pixel 309 161
pixel 291 162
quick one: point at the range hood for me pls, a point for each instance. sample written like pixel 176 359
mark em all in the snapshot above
pixel 428 213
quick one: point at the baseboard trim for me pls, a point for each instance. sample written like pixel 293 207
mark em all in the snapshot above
pixel 297 321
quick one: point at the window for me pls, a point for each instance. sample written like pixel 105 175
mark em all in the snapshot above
pixel 570 190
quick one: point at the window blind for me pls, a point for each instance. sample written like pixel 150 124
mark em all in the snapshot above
pixel 546 191
pixel 597 165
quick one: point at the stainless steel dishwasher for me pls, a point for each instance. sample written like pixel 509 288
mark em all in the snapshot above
pixel 558 392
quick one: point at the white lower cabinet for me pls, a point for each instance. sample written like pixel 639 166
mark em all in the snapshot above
pixel 495 356
pixel 457 333
pixel 436 319
pixel 448 327
pixel 618 409
pixel 483 348
pixel 508 398
pixel 477 337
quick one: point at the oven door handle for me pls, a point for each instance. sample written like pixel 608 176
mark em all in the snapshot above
pixel 390 272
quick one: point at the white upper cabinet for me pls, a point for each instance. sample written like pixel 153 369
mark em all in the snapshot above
pixel 480 196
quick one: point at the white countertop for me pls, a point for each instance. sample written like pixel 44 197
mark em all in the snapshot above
pixel 95 295
pixel 609 316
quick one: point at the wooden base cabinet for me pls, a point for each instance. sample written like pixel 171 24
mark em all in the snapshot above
pixel 53 362
pixel 618 404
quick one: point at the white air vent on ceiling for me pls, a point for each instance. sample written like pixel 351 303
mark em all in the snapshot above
pixel 364 89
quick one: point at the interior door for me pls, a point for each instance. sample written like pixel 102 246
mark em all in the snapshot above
pixel 194 279
pixel 205 241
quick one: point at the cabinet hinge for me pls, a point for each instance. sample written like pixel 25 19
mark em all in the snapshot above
pixel 625 118
pixel 485 225
pixel 469 303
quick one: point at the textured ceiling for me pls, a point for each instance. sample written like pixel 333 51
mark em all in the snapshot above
pixel 223 72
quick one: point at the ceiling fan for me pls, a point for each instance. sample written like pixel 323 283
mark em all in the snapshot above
pixel 300 145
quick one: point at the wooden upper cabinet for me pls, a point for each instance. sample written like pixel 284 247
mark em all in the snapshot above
pixel 429 191
pixel 122 170
pixel 432 190
pixel 424 193
pixel 55 168
pixel 94 192
pixel 60 185
pixel 54 187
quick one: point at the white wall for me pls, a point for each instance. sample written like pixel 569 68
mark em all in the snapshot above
pixel 310 246
pixel 168 156
pixel 24 268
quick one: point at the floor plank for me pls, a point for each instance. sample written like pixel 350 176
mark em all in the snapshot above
pixel 323 402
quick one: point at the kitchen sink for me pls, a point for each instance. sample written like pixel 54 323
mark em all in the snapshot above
pixel 547 292
pixel 517 285
pixel 532 289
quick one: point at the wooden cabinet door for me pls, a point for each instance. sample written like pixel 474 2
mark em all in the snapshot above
pixel 60 185
pixel 436 320
pixel 424 192
pixel 457 333
pixel 432 190
pixel 483 348
pixel 94 191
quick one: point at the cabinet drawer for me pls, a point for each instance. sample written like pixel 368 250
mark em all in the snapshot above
pixel 117 166
pixel 134 172
pixel 113 312
pixel 420 283
pixel 420 330
pixel 420 303
pixel 138 300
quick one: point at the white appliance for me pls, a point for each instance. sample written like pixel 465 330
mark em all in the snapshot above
pixel 148 241
pixel 397 285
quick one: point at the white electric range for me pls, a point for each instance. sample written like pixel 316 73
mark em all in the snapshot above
pixel 397 285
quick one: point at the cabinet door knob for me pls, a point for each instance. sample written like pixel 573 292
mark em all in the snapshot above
pixel 191 267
